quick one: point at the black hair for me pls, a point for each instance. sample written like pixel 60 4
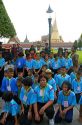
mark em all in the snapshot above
pixel 43 76
pixel 7 96
pixel 27 81
pixel 78 72
pixel 68 84
pixel 30 70
pixel 44 66
pixel 36 75
pixel 55 55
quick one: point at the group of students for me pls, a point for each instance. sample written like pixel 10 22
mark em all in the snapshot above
pixel 31 87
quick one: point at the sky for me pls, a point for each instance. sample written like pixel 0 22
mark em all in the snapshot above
pixel 30 18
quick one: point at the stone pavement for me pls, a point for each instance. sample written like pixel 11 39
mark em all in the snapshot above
pixel 75 119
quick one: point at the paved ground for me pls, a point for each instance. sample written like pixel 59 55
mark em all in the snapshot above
pixel 75 119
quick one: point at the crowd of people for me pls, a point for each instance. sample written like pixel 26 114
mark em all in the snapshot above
pixel 32 83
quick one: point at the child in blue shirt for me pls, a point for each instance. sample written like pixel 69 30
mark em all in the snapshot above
pixel 9 84
pixel 66 101
pixel 45 98
pixel 30 74
pixel 43 70
pixel 68 61
pixel 29 62
pixel 28 98
pixel 55 64
pixel 51 81
pixel 37 65
pixel 36 79
pixel 11 109
pixel 77 86
pixel 20 62
pixel 62 77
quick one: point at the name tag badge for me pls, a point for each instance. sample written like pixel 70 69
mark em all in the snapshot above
pixel 9 88
pixel 78 88
pixel 41 92
pixel 65 103
pixel 24 98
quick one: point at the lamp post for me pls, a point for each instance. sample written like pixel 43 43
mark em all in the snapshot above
pixel 49 11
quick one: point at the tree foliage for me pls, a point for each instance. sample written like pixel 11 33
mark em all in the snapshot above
pixel 6 27
pixel 78 43
pixel 75 45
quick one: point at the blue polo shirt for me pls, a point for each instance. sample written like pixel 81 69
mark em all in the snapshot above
pixel 34 85
pixel 44 94
pixel 12 107
pixel 53 84
pixel 51 61
pixel 60 79
pixel 37 64
pixel 6 107
pixel 62 61
pixel 2 62
pixel 29 64
pixel 20 62
pixel 68 63
pixel 42 61
pixel 56 64
pixel 47 63
pixel 27 98
pixel 70 98
pixel 77 86
pixel 9 85
pixel 73 76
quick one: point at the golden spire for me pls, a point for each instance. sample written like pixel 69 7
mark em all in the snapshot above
pixel 55 34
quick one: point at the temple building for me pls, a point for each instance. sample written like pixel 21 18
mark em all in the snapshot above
pixel 26 40
pixel 14 40
pixel 55 37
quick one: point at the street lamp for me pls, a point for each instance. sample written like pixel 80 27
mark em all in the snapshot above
pixel 49 11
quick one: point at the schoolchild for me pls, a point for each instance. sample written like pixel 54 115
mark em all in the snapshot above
pixel 77 86
pixel 11 109
pixel 66 101
pixel 45 98
pixel 55 64
pixel 9 84
pixel 68 61
pixel 51 81
pixel 60 78
pixel 29 62
pixel 30 74
pixel 37 65
pixel 43 70
pixel 73 74
pixel 36 81
pixel 20 62
pixel 28 98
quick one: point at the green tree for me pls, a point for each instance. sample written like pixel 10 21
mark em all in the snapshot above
pixel 80 42
pixel 6 27
pixel 75 45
